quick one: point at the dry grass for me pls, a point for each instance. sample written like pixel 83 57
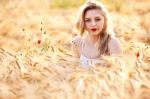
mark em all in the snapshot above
pixel 37 63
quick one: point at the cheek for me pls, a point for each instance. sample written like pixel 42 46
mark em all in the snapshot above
pixel 87 25
pixel 101 23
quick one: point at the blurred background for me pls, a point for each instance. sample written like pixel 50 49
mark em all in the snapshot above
pixel 58 16
pixel 37 62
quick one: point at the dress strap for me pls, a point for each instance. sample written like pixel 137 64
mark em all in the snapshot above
pixel 82 45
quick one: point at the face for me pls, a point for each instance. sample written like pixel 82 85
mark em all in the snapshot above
pixel 94 21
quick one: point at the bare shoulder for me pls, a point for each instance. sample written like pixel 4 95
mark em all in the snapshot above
pixel 76 45
pixel 77 40
pixel 114 46
pixel 114 40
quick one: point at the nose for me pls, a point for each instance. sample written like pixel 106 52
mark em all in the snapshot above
pixel 93 23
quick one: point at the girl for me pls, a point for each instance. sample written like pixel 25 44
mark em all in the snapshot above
pixel 96 34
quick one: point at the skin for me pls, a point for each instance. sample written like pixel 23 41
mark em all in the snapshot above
pixel 94 21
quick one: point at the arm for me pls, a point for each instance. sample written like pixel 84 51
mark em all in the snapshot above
pixel 76 45
pixel 114 46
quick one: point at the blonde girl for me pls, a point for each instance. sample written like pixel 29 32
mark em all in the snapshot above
pixel 96 34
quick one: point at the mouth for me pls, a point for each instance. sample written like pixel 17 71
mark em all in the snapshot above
pixel 93 29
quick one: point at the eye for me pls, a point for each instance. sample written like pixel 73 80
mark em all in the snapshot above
pixel 97 19
pixel 87 20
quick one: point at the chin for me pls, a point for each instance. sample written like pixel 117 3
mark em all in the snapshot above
pixel 94 33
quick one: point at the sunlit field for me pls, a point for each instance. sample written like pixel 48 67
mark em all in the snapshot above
pixel 36 61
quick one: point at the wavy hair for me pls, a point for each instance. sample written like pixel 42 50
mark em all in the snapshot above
pixel 107 30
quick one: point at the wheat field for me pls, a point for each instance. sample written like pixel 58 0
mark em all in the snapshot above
pixel 37 62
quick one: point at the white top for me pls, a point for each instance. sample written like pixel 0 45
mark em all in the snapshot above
pixel 88 62
pixel 114 49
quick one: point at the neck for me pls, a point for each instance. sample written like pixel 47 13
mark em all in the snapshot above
pixel 93 39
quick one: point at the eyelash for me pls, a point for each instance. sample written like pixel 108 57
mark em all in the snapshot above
pixel 87 20
pixel 97 19
pixel 90 20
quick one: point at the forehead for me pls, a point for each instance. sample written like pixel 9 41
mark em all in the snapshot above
pixel 93 13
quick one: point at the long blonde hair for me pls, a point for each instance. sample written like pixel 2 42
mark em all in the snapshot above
pixel 107 30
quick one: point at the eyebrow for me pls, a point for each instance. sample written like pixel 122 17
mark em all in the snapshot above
pixel 95 17
pixel 98 17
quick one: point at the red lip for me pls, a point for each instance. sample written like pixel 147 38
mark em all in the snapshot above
pixel 93 29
